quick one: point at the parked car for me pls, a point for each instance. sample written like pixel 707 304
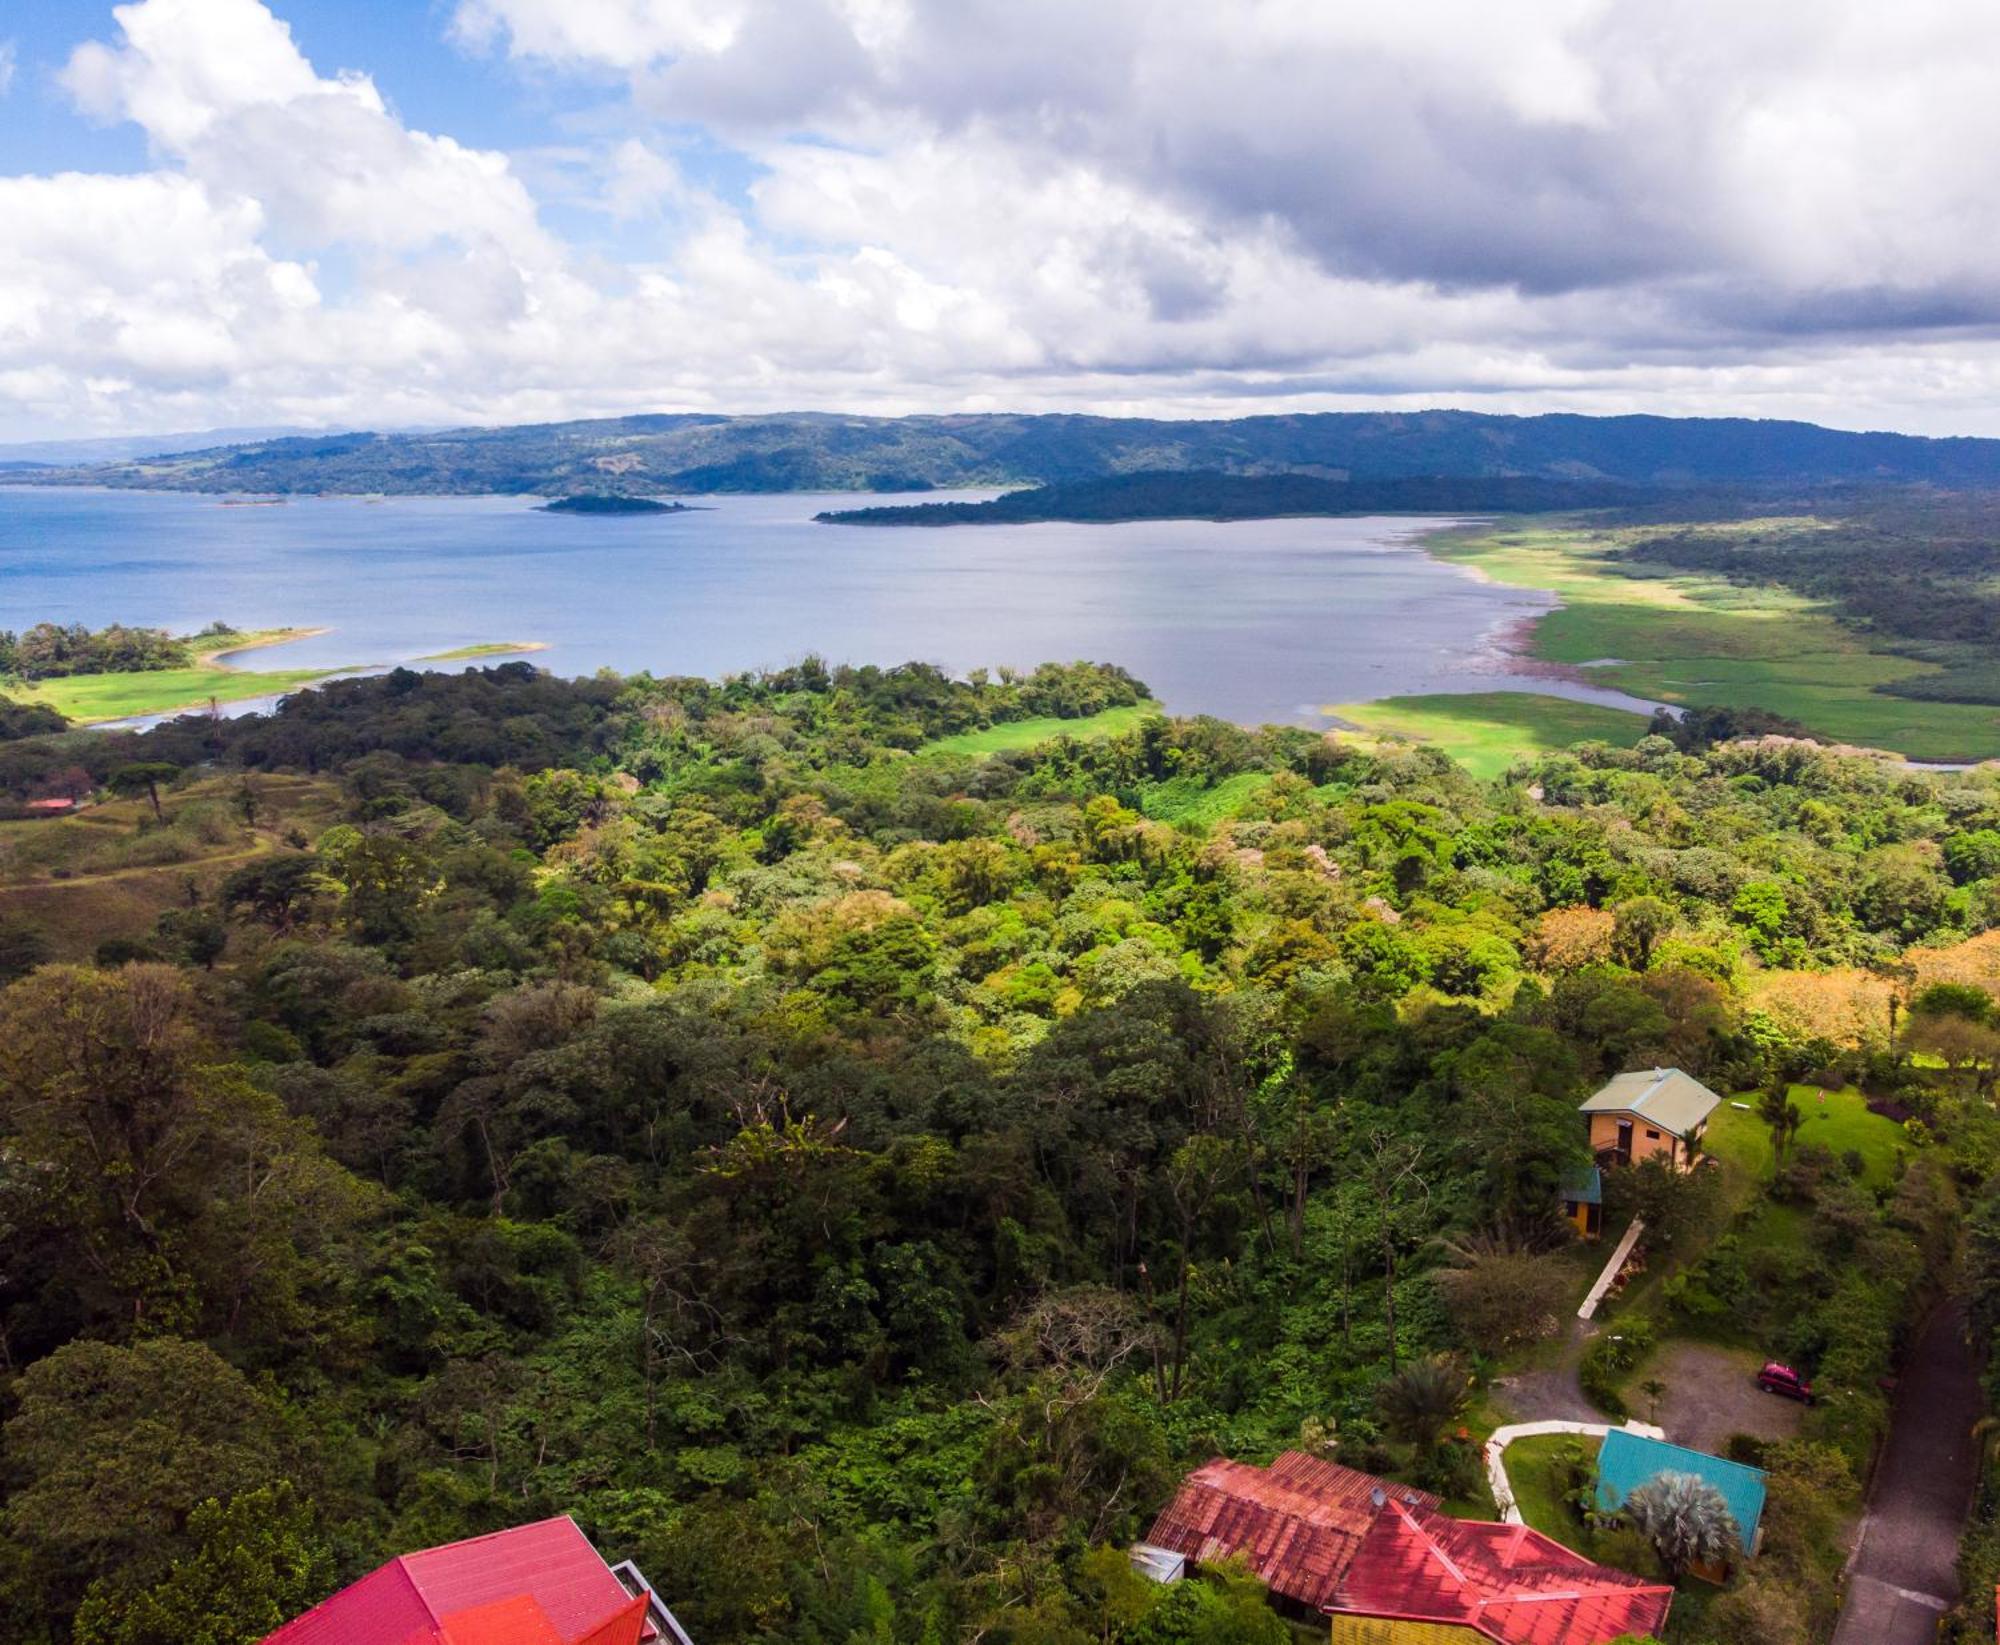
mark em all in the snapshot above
pixel 1782 1379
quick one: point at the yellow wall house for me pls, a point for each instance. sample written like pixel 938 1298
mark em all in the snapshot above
pixel 1653 1113
pixel 1384 1630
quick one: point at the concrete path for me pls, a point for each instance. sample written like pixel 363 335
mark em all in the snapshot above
pixel 1613 1263
pixel 1903 1575
pixel 1496 1453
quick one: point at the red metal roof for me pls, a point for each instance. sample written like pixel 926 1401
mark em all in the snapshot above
pixel 1296 1523
pixel 540 1584
pixel 1508 1582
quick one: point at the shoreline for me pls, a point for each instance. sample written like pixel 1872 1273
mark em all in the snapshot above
pixel 256 639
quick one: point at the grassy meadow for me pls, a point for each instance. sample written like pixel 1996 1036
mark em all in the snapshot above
pixel 1015 734
pixel 1487 731
pixel 1694 639
pixel 90 699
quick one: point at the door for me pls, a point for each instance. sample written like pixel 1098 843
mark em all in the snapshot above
pixel 1625 1140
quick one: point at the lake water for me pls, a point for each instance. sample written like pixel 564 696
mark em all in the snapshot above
pixel 1258 621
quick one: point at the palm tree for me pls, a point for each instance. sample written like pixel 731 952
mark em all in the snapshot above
pixel 1686 1521
pixel 1423 1399
pixel 1777 1110
pixel 1655 1390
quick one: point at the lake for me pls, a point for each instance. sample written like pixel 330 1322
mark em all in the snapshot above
pixel 1265 620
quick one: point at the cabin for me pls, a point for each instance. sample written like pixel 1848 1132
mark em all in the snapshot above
pixel 1653 1113
pixel 1627 1461
pixel 539 1584
pixel 1583 1200
pixel 1379 1563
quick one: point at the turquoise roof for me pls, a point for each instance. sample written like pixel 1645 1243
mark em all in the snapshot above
pixel 1583 1186
pixel 1627 1460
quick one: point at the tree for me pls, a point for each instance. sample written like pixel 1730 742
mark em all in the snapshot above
pixel 1655 1390
pixel 258 1561
pixel 22 948
pixel 1686 1520
pixel 274 890
pixel 114 1448
pixel 1781 1116
pixel 1421 1402
pixel 144 777
pixel 1639 925
pixel 1499 1293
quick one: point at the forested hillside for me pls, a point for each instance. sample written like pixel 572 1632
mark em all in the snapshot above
pixel 1202 495
pixel 692 453
pixel 856 1179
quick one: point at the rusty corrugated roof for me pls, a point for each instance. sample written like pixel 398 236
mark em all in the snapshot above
pixel 1296 1524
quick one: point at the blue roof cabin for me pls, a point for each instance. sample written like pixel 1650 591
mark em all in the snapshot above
pixel 1627 1460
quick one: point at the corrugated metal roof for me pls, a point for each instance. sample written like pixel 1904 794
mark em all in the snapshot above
pixel 540 1584
pixel 1511 1583
pixel 1664 1097
pixel 1296 1523
pixel 1626 1461
pixel 1584 1185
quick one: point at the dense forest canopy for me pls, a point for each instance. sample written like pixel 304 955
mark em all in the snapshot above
pixel 53 650
pixel 856 1180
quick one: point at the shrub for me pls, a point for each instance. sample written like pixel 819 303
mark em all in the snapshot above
pixel 1607 1361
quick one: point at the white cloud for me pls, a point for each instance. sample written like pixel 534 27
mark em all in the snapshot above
pixel 1130 205
pixel 8 57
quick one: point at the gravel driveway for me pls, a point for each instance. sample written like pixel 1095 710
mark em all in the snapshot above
pixel 1711 1394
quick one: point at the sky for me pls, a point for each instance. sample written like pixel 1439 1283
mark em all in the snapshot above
pixel 396 213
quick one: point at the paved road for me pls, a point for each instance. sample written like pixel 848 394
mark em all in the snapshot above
pixel 1903 1577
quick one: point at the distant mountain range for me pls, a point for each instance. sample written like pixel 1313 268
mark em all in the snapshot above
pixel 123 448
pixel 683 454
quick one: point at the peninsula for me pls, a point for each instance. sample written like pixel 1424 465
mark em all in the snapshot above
pixel 1160 494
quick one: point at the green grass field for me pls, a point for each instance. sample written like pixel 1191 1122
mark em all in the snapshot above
pixel 1531 1471
pixel 1692 639
pixel 90 698
pixel 997 739
pixel 1487 731
pixel 1740 1139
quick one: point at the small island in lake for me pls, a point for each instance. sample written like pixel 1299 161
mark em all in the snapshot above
pixel 1179 495
pixel 590 504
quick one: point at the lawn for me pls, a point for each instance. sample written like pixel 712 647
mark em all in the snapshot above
pixel 91 698
pixel 1683 638
pixel 998 739
pixel 1531 1471
pixel 1487 731
pixel 1842 1122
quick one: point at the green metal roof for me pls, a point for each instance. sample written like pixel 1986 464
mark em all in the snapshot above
pixel 1584 1185
pixel 1662 1097
pixel 1628 1460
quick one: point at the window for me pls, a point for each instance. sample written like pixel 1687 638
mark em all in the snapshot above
pixel 1652 1135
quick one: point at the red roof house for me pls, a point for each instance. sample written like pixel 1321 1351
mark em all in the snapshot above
pixel 1499 1582
pixel 1296 1523
pixel 541 1584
